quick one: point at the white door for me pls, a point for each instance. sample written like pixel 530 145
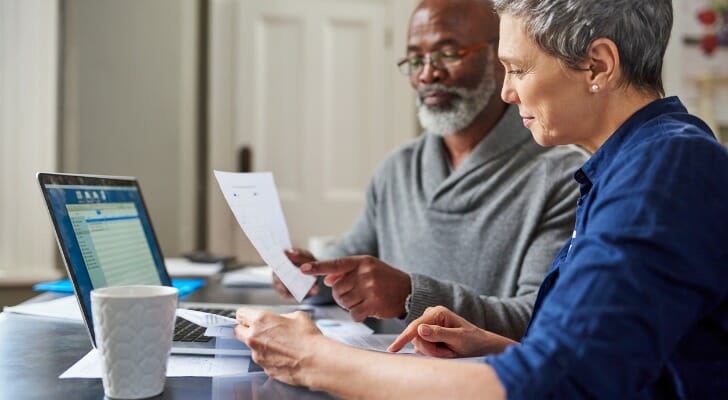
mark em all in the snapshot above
pixel 316 99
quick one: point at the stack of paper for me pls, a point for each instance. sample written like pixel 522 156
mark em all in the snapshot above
pixel 64 308
pixel 184 267
pixel 177 365
pixel 254 201
pixel 250 276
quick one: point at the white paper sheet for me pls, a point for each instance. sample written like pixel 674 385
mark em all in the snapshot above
pixel 331 312
pixel 377 342
pixel 250 276
pixel 63 308
pixel 177 266
pixel 219 326
pixel 177 365
pixel 335 328
pixel 206 320
pixel 220 331
pixel 254 201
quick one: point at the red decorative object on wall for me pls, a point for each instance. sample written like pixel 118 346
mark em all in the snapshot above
pixel 714 19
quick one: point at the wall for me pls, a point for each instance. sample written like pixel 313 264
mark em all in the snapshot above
pixel 130 103
pixel 28 118
pixel 685 64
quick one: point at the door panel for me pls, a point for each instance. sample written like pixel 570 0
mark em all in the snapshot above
pixel 349 112
pixel 317 98
pixel 279 114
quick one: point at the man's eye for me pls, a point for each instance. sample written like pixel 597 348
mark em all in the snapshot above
pixel 415 61
pixel 515 72
pixel 450 56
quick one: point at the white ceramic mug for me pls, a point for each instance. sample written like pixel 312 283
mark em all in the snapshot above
pixel 134 326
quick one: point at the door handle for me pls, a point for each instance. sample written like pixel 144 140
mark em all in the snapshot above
pixel 245 159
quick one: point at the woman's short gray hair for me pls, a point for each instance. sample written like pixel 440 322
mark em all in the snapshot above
pixel 566 28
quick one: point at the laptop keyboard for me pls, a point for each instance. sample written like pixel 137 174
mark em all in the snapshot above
pixel 186 331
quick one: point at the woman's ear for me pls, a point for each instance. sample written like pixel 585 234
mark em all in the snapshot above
pixel 603 62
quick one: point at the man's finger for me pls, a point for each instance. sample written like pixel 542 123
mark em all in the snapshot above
pixel 348 300
pixel 343 284
pixel 330 280
pixel 358 311
pixel 282 290
pixel 337 266
pixel 298 256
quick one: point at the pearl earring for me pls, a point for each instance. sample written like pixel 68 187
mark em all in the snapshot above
pixel 594 88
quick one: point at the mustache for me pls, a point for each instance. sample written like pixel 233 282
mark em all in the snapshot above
pixel 426 89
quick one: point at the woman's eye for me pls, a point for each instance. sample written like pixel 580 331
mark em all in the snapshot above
pixel 515 72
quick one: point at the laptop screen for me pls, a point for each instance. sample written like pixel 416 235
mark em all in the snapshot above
pixel 104 232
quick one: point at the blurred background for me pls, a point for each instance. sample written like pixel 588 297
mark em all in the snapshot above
pixel 169 90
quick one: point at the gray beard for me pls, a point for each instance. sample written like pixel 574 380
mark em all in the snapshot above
pixel 462 110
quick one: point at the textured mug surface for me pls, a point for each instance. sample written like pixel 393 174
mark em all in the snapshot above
pixel 134 326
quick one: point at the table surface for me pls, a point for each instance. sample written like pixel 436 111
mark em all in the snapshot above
pixel 34 351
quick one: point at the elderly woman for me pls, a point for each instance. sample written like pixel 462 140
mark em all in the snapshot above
pixel 636 302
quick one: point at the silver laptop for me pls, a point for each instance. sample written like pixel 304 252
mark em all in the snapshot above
pixel 106 238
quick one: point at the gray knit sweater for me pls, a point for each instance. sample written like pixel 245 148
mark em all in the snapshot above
pixel 478 240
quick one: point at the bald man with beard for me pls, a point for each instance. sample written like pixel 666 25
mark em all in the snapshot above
pixel 471 213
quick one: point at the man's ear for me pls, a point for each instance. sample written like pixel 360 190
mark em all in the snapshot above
pixel 603 61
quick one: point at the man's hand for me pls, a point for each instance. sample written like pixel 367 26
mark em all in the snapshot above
pixel 440 332
pixel 364 285
pixel 297 257
pixel 283 345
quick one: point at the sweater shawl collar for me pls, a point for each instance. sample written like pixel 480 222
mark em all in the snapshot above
pixel 437 180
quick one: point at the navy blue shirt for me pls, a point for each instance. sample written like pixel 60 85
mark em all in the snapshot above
pixel 636 303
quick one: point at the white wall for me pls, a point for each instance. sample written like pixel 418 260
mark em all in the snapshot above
pixel 130 103
pixel 28 118
pixel 685 63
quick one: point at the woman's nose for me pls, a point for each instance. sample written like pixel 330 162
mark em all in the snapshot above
pixel 508 92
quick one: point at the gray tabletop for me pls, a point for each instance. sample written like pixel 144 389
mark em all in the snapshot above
pixel 34 351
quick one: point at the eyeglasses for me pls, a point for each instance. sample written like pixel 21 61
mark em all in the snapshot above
pixel 441 60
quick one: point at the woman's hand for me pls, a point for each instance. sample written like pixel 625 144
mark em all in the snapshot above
pixel 440 332
pixel 282 345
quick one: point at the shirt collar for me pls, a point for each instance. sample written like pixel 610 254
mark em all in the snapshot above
pixel 623 137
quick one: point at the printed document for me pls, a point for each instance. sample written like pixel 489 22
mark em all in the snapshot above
pixel 253 198
pixel 177 365
pixel 64 307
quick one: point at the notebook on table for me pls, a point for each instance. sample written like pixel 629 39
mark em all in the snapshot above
pixel 105 235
